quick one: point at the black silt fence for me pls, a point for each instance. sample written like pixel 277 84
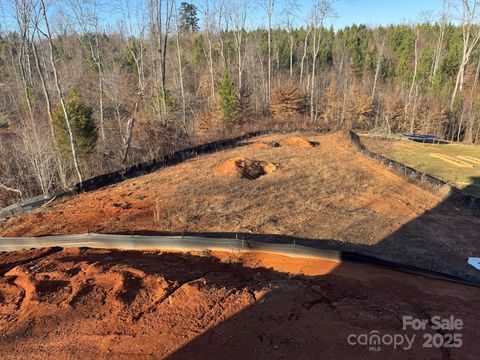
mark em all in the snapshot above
pixel 411 173
pixel 144 168
pixel 177 157
pixel 174 158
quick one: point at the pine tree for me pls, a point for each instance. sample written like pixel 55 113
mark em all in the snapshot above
pixel 229 104
pixel 287 102
pixel 83 126
pixel 188 21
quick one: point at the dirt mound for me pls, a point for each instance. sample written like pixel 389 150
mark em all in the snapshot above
pixel 108 304
pixel 299 142
pixel 326 192
pixel 246 168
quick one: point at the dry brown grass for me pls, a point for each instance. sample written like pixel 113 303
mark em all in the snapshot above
pixel 313 194
pixel 328 191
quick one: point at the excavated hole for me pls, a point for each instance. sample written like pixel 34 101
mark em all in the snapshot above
pixel 246 168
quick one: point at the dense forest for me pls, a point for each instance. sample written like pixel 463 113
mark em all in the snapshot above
pixel 81 95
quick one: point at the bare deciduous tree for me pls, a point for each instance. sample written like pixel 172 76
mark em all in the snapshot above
pixel 86 16
pixel 320 10
pixel 268 5
pixel 238 11
pixel 469 12
pixel 48 36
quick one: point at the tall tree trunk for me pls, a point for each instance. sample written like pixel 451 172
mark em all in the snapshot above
pixel 100 100
pixel 210 66
pixel 60 94
pixel 209 55
pixel 46 94
pixel 128 140
pixel 412 86
pixel 22 56
pixel 377 69
pixel 471 116
pixel 312 88
pixel 180 70
pixel 305 45
pixel 320 9
pixel 291 56
pixel 438 50
pixel 471 37
pixel 269 8
pixel 316 49
pixel 460 124
pixel 459 81
pixel 48 104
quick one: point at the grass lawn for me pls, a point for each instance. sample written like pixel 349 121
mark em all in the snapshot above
pixel 460 167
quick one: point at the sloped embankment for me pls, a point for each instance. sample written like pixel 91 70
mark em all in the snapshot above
pixel 328 193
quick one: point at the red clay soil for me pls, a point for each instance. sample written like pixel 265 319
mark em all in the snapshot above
pixel 298 142
pixel 109 304
pixel 246 168
pixel 328 192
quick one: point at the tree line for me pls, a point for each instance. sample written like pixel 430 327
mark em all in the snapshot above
pixel 83 96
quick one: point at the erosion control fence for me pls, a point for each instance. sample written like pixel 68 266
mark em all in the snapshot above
pixel 177 157
pixel 103 180
pixel 414 174
pixel 28 205
pixel 287 247
pixel 133 171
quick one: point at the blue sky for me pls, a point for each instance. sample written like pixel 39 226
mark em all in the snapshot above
pixel 373 12
pixel 382 12
pixel 369 12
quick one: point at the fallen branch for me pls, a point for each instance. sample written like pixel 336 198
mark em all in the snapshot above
pixel 5 187
pixel 48 202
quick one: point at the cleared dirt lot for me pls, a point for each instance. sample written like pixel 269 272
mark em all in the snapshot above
pixel 325 192
pixel 147 305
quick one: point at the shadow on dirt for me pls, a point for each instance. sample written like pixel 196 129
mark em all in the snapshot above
pixel 287 316
pixel 448 253
pixel 301 316
pixel 440 240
